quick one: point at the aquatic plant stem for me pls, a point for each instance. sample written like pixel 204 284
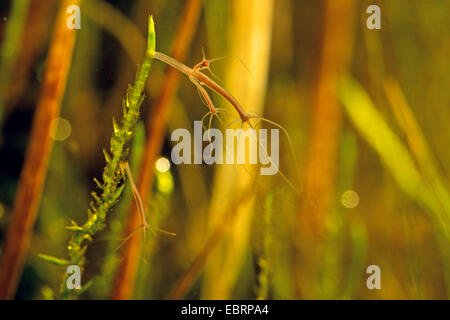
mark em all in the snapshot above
pixel 37 156
pixel 113 174
pixel 157 122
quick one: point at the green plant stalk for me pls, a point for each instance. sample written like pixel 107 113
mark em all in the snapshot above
pixel 113 174
pixel 10 48
pixel 263 286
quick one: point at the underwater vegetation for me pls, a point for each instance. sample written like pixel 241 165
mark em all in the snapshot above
pixel 209 149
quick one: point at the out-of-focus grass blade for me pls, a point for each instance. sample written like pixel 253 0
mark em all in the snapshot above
pixel 358 236
pixel 394 154
pixel 9 47
pixel 426 161
pixel 418 145
pixel 370 123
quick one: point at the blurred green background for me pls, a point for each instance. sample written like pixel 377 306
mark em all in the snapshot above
pixel 367 112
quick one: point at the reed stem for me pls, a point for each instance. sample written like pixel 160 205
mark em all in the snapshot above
pixel 35 166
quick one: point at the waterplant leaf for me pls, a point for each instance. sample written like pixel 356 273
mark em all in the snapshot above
pixel 118 192
pixel 107 156
pixel 75 228
pixel 151 38
pixel 116 127
pixel 54 260
pixel 100 185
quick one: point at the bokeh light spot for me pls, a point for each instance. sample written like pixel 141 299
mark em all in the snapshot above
pixel 162 164
pixel 165 183
pixel 350 199
pixel 60 129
